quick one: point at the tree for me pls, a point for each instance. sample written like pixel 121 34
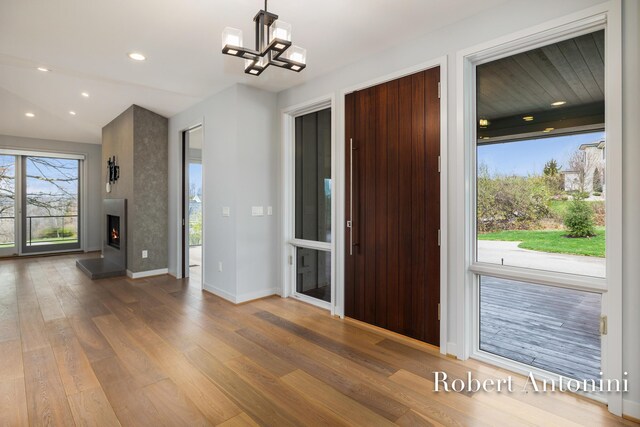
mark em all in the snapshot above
pixel 597 181
pixel 578 164
pixel 552 177
pixel 579 218
pixel 551 168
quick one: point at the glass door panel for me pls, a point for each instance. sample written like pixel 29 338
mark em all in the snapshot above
pixel 7 205
pixel 51 204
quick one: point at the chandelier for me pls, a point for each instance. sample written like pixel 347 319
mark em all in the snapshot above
pixel 273 45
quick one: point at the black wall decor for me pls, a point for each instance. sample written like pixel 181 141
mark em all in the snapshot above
pixel 113 170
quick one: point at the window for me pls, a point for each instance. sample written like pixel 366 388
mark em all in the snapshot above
pixel 312 207
pixel 51 203
pixel 539 249
pixel 7 204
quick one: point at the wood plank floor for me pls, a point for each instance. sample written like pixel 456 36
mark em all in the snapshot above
pixel 160 352
pixel 543 326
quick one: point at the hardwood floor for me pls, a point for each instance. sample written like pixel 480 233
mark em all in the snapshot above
pixel 159 352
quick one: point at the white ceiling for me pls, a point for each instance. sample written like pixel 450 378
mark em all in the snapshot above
pixel 85 44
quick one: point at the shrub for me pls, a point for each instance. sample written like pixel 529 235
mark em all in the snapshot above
pixel 55 232
pixel 510 202
pixel 597 193
pixel 579 218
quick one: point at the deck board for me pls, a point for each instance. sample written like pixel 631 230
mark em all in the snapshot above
pixel 550 328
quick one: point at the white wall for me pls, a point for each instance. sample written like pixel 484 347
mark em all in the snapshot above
pixel 239 170
pixel 93 183
pixel 508 18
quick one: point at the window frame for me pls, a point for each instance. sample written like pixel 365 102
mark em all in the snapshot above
pixel 605 16
pixel 291 243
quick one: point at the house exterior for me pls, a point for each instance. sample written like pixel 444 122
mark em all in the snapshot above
pixel 592 176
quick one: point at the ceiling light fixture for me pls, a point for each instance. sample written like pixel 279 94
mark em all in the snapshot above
pixel 558 103
pixel 73 113
pixel 527 118
pixel 273 45
pixel 29 114
pixel 43 69
pixel 547 130
pixel 136 56
pixel 483 123
pixel 85 94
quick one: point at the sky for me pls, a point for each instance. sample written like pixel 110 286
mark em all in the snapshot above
pixel 528 157
pixel 195 176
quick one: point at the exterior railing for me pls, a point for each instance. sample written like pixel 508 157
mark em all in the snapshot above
pixel 30 239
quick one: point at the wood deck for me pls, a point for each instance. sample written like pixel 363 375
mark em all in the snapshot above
pixel 158 351
pixel 550 328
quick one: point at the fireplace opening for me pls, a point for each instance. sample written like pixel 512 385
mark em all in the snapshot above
pixel 113 231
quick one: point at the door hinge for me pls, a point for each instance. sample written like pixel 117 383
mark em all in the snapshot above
pixel 439 237
pixel 290 259
pixel 439 164
pixel 603 325
pixel 439 312
pixel 439 94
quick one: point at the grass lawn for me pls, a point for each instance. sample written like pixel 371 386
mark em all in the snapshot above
pixel 552 241
pixel 46 240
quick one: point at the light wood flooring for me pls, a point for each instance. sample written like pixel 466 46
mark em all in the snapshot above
pixel 159 352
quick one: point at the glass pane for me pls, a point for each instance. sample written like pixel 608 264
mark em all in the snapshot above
pixel 313 176
pixel 52 201
pixel 541 165
pixel 7 201
pixel 313 270
pixel 551 328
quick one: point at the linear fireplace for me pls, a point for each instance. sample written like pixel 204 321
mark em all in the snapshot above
pixel 114 247
pixel 113 231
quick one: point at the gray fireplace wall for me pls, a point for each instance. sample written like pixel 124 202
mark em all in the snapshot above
pixel 138 139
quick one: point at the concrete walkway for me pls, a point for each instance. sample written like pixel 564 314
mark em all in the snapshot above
pixel 495 252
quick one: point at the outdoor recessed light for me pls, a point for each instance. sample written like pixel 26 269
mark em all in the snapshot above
pixel 73 113
pixel 137 56
pixel 483 122
pixel 527 118
pixel 486 137
pixel 29 114
pixel 558 103
pixel 43 69
pixel 85 94
pixel 548 129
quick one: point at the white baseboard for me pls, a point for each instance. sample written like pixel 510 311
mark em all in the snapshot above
pixel 219 292
pixel 631 409
pixel 452 349
pixel 148 273
pixel 256 295
pixel 238 299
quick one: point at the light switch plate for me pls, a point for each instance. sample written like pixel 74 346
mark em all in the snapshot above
pixel 145 254
pixel 269 210
pixel 257 211
pixel 226 211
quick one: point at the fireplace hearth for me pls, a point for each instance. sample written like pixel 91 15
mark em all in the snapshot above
pixel 114 247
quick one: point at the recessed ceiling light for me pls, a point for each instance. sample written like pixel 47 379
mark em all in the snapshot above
pixel 85 94
pixel 43 69
pixel 29 114
pixel 527 118
pixel 558 103
pixel 73 113
pixel 548 129
pixel 483 122
pixel 137 56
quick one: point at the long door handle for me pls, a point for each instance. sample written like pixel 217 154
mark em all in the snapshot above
pixel 350 222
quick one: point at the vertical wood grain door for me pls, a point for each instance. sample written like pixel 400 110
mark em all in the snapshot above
pixel 392 274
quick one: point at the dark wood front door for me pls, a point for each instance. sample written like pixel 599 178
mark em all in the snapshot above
pixel 392 275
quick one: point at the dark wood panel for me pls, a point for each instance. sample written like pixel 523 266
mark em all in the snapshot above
pixel 349 268
pixel 397 205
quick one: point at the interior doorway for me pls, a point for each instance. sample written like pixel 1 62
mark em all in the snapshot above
pixel 192 212
pixel 392 205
